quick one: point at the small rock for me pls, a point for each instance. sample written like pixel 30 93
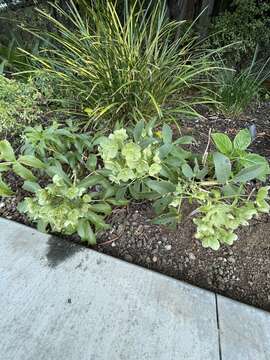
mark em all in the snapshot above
pixel 191 256
pixel 154 259
pixel 120 228
pixel 128 258
pixel 2 205
pixel 113 244
pixel 139 244
pixel 139 230
pixel 231 259
pixel 168 247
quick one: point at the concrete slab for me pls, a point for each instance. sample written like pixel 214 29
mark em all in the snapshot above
pixel 244 331
pixel 62 301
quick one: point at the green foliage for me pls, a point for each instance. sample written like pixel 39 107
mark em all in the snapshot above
pixel 123 69
pixel 247 25
pixel 19 104
pixel 74 198
pixel 125 158
pixel 216 183
pixel 67 209
pixel 14 60
pixel 78 191
pixel 236 89
pixel 57 143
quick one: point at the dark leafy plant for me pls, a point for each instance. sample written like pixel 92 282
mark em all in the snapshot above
pixel 246 26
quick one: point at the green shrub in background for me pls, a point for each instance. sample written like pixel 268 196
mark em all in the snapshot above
pixel 124 70
pixel 19 105
pixel 247 24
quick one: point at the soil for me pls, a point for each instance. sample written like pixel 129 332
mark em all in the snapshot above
pixel 241 271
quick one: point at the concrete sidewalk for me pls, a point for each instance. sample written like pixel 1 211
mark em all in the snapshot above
pixel 61 301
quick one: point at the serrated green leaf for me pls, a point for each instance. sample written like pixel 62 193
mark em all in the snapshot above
pixel 23 172
pixel 22 207
pixel 6 151
pixel 57 170
pixel 255 159
pixel 242 140
pixel 187 171
pixel 222 167
pixel 184 140
pixel 160 205
pixel 5 190
pixel 231 190
pixel 42 226
pixel 85 232
pixel 31 186
pixel 119 202
pixel 261 197
pixel 30 160
pixel 4 167
pixel 103 208
pixel 137 132
pixel 161 187
pixel 164 150
pixel 91 162
pixel 91 180
pixel 223 143
pixel 97 220
pixel 166 219
pixel 166 134
pixel 248 174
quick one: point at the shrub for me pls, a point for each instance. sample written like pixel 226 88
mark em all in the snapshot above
pixel 19 104
pixel 236 89
pixel 124 70
pixel 78 193
pixel 248 25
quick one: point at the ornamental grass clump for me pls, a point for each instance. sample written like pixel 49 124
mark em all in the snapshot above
pixel 123 68
pixel 237 89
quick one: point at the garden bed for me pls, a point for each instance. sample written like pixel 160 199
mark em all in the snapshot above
pixel 241 271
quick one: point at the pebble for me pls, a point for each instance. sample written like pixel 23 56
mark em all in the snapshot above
pixel 168 247
pixel 113 244
pixel 154 259
pixel 231 259
pixel 139 230
pixel 191 256
pixel 128 258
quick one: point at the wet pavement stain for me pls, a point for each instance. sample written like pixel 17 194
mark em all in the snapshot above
pixel 59 251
